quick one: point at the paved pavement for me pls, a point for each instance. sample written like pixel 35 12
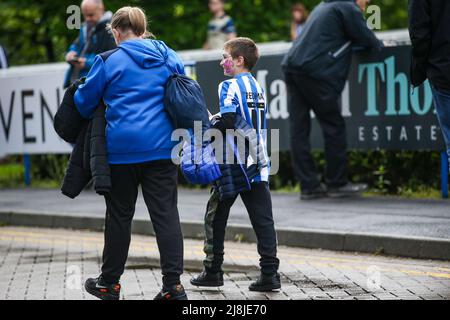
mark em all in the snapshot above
pixel 51 264
pixel 380 216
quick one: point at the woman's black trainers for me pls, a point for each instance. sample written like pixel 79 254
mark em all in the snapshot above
pixel 173 293
pixel 266 283
pixel 207 279
pixel 102 290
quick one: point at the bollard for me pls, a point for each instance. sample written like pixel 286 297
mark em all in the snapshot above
pixel 27 165
pixel 444 174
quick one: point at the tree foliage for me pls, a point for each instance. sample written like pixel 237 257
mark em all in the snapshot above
pixel 36 31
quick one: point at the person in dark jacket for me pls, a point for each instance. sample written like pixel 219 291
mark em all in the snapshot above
pixel 88 160
pixel 316 69
pixel 131 81
pixel 94 38
pixel 429 28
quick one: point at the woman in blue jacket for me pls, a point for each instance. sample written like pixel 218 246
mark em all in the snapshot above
pixel 130 80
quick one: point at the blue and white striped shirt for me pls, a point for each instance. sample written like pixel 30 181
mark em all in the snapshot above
pixel 244 96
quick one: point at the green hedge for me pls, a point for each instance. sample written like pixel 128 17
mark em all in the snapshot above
pixel 386 172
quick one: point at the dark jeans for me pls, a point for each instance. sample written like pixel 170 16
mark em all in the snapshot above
pixel 259 207
pixel 442 103
pixel 306 94
pixel 159 187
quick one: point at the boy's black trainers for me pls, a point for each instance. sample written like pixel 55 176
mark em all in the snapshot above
pixel 175 292
pixel 208 279
pixel 266 283
pixel 102 290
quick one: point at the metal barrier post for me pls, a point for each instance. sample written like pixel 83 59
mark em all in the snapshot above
pixel 27 165
pixel 444 174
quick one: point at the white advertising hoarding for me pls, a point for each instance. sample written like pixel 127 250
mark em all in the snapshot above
pixel 29 99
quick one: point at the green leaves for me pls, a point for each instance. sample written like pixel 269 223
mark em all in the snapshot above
pixel 36 32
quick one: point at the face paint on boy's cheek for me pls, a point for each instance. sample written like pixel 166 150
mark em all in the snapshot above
pixel 228 66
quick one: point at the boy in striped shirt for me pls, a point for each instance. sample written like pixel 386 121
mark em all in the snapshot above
pixel 244 96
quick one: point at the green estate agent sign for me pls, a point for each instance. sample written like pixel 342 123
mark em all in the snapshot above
pixel 380 108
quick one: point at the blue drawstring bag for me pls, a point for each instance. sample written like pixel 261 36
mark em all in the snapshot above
pixel 185 103
pixel 184 100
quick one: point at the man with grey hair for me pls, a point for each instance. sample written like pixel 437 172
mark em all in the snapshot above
pixel 94 38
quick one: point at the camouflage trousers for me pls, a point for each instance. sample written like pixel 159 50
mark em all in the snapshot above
pixel 211 210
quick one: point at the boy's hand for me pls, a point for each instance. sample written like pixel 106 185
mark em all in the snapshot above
pixel 224 122
pixel 214 120
pixel 212 116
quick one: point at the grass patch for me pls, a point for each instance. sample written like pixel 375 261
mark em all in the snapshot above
pixel 11 175
pixel 45 184
pixel 421 193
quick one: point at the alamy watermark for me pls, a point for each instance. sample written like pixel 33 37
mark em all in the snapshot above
pixel 373 278
pixel 73 277
pixel 74 20
pixel 374 17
